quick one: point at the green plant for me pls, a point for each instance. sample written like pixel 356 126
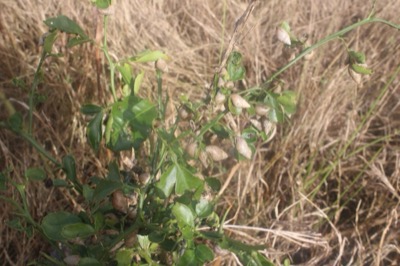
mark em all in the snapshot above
pixel 163 212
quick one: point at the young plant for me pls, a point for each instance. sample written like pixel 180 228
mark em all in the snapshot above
pixel 162 210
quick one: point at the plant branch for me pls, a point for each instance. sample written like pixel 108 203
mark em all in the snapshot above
pixel 324 41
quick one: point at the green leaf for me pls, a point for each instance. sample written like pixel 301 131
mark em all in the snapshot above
pixel 213 183
pixel 288 100
pixel 213 221
pixel 149 56
pixel 65 24
pixel 286 262
pixel 221 131
pixel 187 233
pixel 253 259
pixel 77 41
pixel 140 116
pixel 285 26
pixel 98 221
pixel 181 177
pixel 276 115
pixel 124 256
pixel 236 71
pixel 90 109
pixel 210 124
pixel 212 235
pixel 126 73
pixel 169 245
pixel 102 4
pixel 126 90
pixel 35 174
pixel 167 181
pixel 246 259
pixel 186 199
pixel 183 215
pixel 109 130
pixel 120 135
pixel 204 208
pixel 188 258
pixel 157 236
pixel 15 122
pixel 185 180
pixel 81 230
pixel 113 171
pixel 261 260
pixel 87 192
pixel 49 41
pixel 356 57
pixel 203 253
pixel 60 183
pixel 250 135
pixel 85 217
pixel 131 123
pixel 53 223
pixel 361 69
pixel 105 188
pixel 143 241
pixel 138 82
pixel 234 245
pixel 16 224
pixel 94 132
pixel 68 165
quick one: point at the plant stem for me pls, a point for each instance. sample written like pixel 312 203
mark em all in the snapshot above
pixel 324 41
pixel 372 9
pixel 110 62
pixel 38 147
pixel 161 107
pixel 35 83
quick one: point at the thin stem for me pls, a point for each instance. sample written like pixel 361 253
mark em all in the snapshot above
pixel 35 83
pixel 28 137
pixel 372 13
pixel 161 107
pixel 223 31
pixel 38 147
pixel 110 62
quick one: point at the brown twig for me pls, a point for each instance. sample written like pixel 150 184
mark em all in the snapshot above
pixel 237 32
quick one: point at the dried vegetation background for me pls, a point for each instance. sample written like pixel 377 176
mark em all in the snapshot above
pixel 325 191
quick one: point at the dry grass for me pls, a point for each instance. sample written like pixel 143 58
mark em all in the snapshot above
pixel 324 192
